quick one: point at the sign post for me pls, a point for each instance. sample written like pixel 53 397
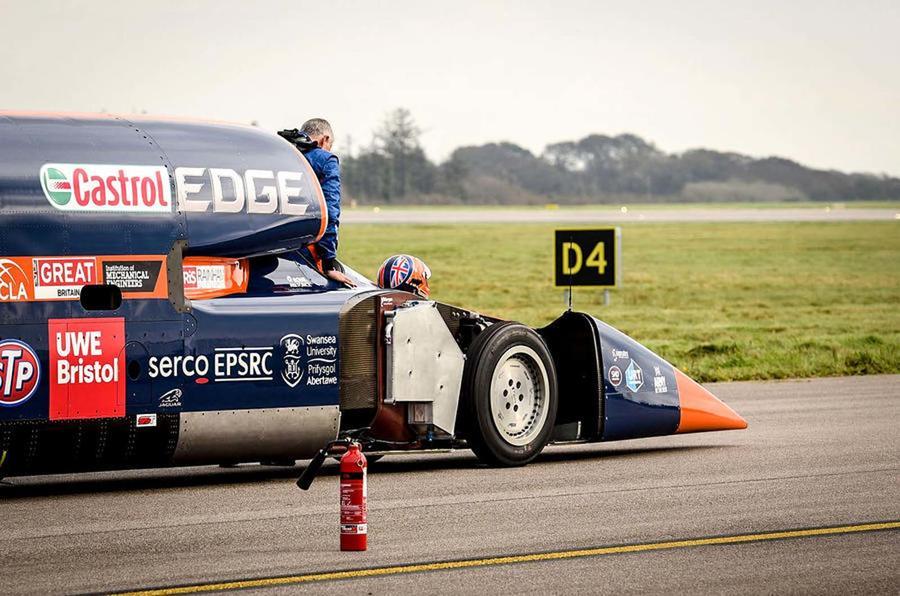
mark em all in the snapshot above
pixel 587 258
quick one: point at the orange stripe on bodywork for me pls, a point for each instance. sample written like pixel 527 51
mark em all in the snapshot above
pixel 126 117
pixel 61 115
pixel 24 273
pixel 701 410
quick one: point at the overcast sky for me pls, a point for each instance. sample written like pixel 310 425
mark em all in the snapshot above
pixel 817 81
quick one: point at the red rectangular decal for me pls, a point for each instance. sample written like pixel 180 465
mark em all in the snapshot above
pixel 57 278
pixel 87 368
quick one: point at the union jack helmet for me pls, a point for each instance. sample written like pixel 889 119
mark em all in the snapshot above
pixel 406 273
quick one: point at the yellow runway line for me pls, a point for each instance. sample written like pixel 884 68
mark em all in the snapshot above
pixel 530 558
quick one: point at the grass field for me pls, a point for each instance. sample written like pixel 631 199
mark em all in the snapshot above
pixel 720 301
pixel 645 206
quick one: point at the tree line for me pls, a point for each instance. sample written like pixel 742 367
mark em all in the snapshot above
pixel 595 169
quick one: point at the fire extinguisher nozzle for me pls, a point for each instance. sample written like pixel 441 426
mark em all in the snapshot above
pixel 309 474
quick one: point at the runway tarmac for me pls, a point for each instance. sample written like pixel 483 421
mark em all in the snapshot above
pixel 706 513
pixel 617 215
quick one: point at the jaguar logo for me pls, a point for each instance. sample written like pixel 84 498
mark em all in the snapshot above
pixel 170 399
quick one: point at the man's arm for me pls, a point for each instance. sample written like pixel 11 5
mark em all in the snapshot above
pixel 330 181
pixel 331 188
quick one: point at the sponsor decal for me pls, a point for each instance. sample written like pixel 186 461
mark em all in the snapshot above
pixel 107 188
pixel 204 277
pixel 659 381
pixel 58 278
pixel 132 276
pixel 87 368
pixel 27 279
pixel 254 191
pixel 659 385
pixel 615 376
pixel 170 399
pixel 310 360
pixel 619 354
pixel 321 360
pixel 225 365
pixel 20 372
pixel 145 420
pixel 14 282
pixel 57 185
pixel 291 370
pixel 212 277
pixel 634 376
pixel 298 281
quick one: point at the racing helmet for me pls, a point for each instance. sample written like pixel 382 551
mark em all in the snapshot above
pixel 406 273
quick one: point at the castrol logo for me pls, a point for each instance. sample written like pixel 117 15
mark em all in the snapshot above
pixel 20 372
pixel 107 188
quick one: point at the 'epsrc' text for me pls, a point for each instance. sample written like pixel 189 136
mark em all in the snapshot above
pixel 227 364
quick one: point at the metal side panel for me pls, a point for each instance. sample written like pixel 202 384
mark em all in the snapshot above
pixel 424 362
pixel 249 435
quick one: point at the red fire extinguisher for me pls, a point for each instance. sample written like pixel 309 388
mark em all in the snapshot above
pixel 354 489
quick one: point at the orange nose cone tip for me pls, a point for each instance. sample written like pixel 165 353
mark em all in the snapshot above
pixel 701 410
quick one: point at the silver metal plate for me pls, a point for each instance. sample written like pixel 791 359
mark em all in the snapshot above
pixel 250 435
pixel 425 364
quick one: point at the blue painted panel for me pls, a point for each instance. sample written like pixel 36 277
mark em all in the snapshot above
pixel 276 199
pixel 255 352
pixel 233 149
pixel 33 227
pixel 161 335
pixel 640 395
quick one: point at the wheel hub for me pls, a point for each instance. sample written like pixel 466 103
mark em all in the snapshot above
pixel 519 395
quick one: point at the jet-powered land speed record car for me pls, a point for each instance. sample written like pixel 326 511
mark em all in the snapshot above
pixel 153 312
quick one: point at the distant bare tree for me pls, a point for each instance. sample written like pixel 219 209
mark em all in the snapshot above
pixel 595 169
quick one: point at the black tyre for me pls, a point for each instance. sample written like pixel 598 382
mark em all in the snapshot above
pixel 509 395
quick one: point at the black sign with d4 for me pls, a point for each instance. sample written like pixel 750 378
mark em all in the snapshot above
pixel 586 257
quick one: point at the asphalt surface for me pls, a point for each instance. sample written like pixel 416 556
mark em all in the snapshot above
pixel 629 214
pixel 817 453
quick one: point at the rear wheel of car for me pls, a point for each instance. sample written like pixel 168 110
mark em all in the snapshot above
pixel 509 395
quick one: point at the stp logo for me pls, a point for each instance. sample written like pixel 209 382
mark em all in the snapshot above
pixel 20 372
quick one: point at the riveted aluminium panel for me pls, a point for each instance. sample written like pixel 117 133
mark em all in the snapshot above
pixel 425 363
pixel 251 435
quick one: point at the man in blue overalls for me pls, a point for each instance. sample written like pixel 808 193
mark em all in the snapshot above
pixel 316 147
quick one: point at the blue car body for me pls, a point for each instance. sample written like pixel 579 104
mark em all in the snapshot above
pixel 106 361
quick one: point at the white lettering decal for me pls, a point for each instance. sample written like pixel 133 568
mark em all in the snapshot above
pixel 184 188
pixel 287 193
pixel 220 205
pixel 255 202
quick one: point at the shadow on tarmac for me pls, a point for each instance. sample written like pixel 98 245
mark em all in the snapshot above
pixel 163 478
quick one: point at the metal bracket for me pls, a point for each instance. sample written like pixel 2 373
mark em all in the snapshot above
pixel 424 364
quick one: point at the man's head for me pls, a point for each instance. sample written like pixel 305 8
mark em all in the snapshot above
pixel 319 130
